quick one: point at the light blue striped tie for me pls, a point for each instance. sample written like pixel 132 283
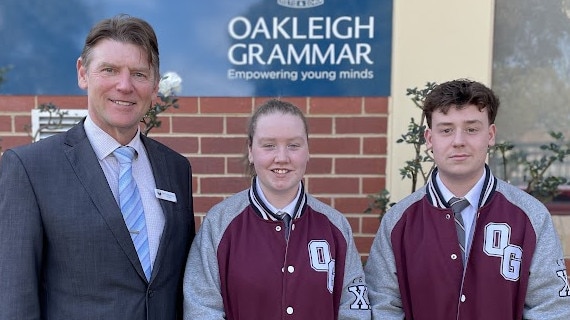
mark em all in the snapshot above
pixel 131 206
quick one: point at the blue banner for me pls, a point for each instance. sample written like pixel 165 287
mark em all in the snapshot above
pixel 222 48
pixel 296 48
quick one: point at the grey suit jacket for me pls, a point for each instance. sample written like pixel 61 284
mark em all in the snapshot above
pixel 65 252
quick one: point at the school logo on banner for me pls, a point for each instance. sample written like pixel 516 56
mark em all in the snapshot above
pixel 300 4
pixel 308 48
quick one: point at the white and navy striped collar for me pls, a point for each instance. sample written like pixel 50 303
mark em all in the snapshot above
pixel 262 209
pixel 436 198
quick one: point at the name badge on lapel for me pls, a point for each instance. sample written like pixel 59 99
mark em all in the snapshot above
pixel 165 195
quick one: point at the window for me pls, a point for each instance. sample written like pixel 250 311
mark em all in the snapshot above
pixel 531 75
pixel 45 123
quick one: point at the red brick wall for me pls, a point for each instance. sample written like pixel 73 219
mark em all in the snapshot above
pixel 348 144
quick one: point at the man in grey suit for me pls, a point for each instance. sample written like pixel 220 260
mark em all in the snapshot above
pixel 66 251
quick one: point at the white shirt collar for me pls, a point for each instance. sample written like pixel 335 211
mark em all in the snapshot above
pixel 103 144
pixel 288 208
pixel 472 196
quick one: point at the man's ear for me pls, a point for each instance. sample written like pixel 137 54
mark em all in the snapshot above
pixel 492 134
pixel 427 136
pixel 155 97
pixel 81 74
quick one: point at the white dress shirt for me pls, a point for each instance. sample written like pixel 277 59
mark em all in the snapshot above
pixel 104 145
pixel 469 212
pixel 290 208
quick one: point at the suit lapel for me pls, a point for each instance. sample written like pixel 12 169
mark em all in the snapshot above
pixel 84 162
pixel 160 170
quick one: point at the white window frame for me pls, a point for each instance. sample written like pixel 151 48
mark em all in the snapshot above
pixel 41 129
